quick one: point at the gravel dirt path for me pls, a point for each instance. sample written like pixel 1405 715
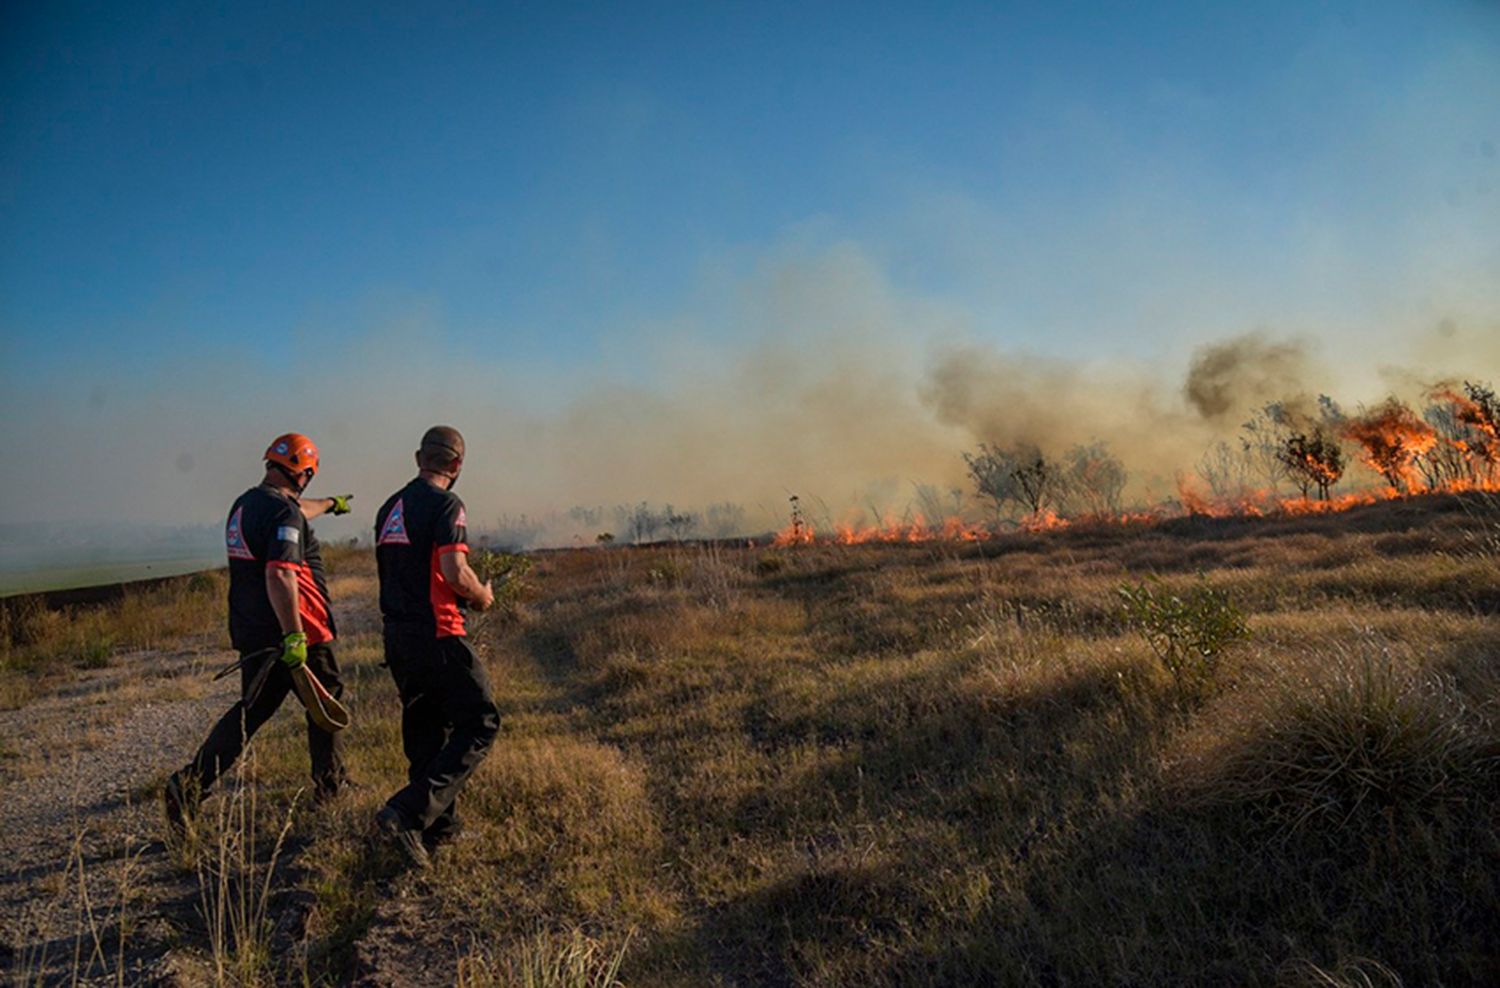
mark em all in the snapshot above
pixel 79 797
pixel 82 832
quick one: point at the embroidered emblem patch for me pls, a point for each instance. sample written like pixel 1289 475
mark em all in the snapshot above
pixel 463 517
pixel 393 532
pixel 234 537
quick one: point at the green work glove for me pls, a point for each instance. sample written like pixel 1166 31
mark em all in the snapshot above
pixel 340 504
pixel 294 649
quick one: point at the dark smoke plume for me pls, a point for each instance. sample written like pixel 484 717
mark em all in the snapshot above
pixel 1240 373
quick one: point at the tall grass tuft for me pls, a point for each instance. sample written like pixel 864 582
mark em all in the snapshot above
pixel 1353 973
pixel 235 884
pixel 1366 733
pixel 543 960
pixel 1483 534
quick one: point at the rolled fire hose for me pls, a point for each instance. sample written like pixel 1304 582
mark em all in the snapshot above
pixel 325 711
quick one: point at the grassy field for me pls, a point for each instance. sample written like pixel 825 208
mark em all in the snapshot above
pixel 939 764
pixel 42 644
pixel 949 764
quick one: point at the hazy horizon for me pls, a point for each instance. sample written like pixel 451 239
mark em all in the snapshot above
pixel 721 256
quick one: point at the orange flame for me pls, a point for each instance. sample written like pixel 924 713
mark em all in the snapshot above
pixel 1394 439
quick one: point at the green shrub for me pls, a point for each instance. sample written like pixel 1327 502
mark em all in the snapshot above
pixel 1186 631
pixel 509 575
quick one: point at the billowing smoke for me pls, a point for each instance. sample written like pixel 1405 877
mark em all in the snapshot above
pixel 848 393
pixel 1009 400
pixel 1229 377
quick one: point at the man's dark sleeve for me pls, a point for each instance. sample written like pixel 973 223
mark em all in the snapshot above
pixel 287 531
pixel 452 532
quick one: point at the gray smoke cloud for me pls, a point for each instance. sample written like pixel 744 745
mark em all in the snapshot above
pixel 1230 376
pixel 820 379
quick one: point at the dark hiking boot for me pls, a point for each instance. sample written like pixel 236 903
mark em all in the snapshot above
pixel 390 826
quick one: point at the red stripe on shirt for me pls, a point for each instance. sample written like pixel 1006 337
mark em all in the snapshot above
pixel 312 606
pixel 445 612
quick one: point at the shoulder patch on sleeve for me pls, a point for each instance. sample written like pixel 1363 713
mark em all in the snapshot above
pixel 463 517
pixel 234 536
pixel 289 533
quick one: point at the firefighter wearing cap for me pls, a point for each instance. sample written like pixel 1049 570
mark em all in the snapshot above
pixel 279 614
pixel 448 715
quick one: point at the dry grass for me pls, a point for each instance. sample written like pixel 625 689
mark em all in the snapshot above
pixel 571 960
pixel 929 764
pixel 936 764
pixel 79 926
pixel 1361 734
pixel 39 643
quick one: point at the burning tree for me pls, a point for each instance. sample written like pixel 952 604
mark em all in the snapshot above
pixel 1020 475
pixel 1468 426
pixel 1315 460
pixel 1394 440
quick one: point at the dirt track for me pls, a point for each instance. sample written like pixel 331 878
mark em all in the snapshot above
pixel 78 785
pixel 81 767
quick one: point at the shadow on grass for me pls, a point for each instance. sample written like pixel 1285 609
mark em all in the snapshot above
pixel 959 838
pixel 930 787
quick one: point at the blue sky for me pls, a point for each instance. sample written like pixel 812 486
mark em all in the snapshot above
pixel 549 191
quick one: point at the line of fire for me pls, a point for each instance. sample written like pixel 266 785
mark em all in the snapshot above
pixel 1450 446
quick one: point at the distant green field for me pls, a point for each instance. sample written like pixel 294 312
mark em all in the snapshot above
pixel 100 573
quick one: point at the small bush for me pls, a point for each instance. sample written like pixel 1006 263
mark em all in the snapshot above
pixel 92 651
pixel 508 573
pixel 1186 631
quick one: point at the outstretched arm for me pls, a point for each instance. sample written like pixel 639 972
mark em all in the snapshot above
pixel 312 507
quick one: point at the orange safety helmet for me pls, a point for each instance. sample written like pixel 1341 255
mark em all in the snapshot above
pixel 295 454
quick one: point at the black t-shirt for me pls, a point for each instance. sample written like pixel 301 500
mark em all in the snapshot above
pixel 413 528
pixel 267 528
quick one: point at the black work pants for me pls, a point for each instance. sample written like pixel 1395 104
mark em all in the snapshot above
pixel 448 721
pixel 242 720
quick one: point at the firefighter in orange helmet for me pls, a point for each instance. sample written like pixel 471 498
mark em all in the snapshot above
pixel 279 619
